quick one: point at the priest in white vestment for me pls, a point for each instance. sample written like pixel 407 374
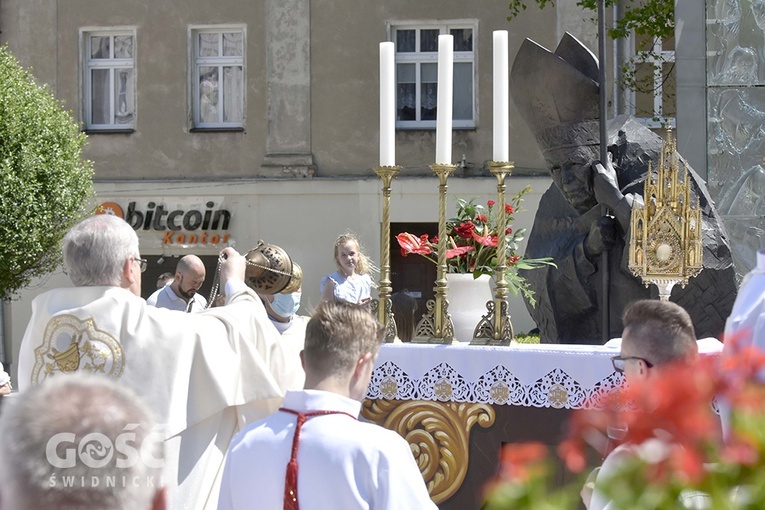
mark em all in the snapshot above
pixel 204 375
pixel 314 454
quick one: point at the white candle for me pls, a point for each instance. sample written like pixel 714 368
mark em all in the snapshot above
pixel 501 98
pixel 387 105
pixel 444 101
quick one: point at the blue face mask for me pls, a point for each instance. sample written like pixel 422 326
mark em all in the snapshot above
pixel 285 305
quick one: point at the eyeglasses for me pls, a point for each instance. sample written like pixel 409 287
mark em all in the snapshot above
pixel 620 362
pixel 142 263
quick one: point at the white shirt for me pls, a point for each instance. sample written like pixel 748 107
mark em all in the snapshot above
pixel 204 376
pixel 166 298
pixel 293 341
pixel 613 462
pixel 342 463
pixel 4 377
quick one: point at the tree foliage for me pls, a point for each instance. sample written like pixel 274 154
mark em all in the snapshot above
pixel 652 18
pixel 45 184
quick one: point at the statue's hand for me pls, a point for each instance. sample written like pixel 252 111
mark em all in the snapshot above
pixel 602 236
pixel 606 185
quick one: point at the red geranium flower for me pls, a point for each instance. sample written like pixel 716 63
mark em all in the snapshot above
pixel 518 460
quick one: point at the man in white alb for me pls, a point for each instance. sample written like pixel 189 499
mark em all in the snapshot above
pixel 181 293
pixel 203 376
pixel 314 452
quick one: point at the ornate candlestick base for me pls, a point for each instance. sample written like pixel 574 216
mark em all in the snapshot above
pixel 496 327
pixel 436 325
pixel 428 331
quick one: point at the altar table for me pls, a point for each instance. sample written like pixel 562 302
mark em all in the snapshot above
pixel 457 404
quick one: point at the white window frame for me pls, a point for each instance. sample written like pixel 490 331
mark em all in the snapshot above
pixel 665 57
pixel 432 57
pixel 112 63
pixel 220 61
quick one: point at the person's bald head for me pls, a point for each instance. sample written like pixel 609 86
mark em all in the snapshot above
pixel 189 276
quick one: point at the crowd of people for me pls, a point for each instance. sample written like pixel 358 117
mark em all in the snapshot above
pixel 240 403
pixel 203 379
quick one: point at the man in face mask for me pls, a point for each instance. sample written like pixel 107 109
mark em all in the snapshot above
pixel 282 310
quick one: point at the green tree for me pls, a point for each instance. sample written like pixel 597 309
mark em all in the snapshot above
pixel 45 184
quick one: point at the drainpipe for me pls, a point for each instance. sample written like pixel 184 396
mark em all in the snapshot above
pixel 620 59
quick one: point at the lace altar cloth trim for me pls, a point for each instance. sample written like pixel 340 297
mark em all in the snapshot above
pixel 443 383
pixel 529 375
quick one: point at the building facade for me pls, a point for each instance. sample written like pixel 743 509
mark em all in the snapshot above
pixel 224 123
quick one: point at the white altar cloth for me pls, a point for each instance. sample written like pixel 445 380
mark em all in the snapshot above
pixel 531 375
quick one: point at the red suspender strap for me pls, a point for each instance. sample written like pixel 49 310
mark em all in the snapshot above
pixel 290 479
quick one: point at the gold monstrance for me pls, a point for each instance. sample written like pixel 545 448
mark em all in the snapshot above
pixel 665 242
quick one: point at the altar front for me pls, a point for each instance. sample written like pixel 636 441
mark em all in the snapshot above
pixel 457 405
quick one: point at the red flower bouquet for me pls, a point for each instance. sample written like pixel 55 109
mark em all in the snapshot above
pixel 473 240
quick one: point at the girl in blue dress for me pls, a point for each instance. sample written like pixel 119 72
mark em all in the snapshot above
pixel 351 282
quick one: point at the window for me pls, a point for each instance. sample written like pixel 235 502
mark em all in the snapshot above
pixel 109 58
pixel 218 77
pixel 654 79
pixel 417 74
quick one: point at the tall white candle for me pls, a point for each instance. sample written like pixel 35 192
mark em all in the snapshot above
pixel 444 101
pixel 387 105
pixel 501 98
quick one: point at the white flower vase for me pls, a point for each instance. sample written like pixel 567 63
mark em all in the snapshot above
pixel 467 298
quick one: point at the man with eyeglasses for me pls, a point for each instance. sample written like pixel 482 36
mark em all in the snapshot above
pixel 204 375
pixel 656 334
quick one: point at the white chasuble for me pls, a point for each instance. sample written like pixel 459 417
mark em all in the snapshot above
pixel 204 375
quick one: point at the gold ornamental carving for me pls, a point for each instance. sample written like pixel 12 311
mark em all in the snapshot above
pixel 438 434
pixel 557 396
pixel 665 239
pixel 71 344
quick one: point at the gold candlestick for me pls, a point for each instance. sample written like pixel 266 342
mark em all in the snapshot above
pixel 665 239
pixel 384 305
pixel 436 325
pixel 495 327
